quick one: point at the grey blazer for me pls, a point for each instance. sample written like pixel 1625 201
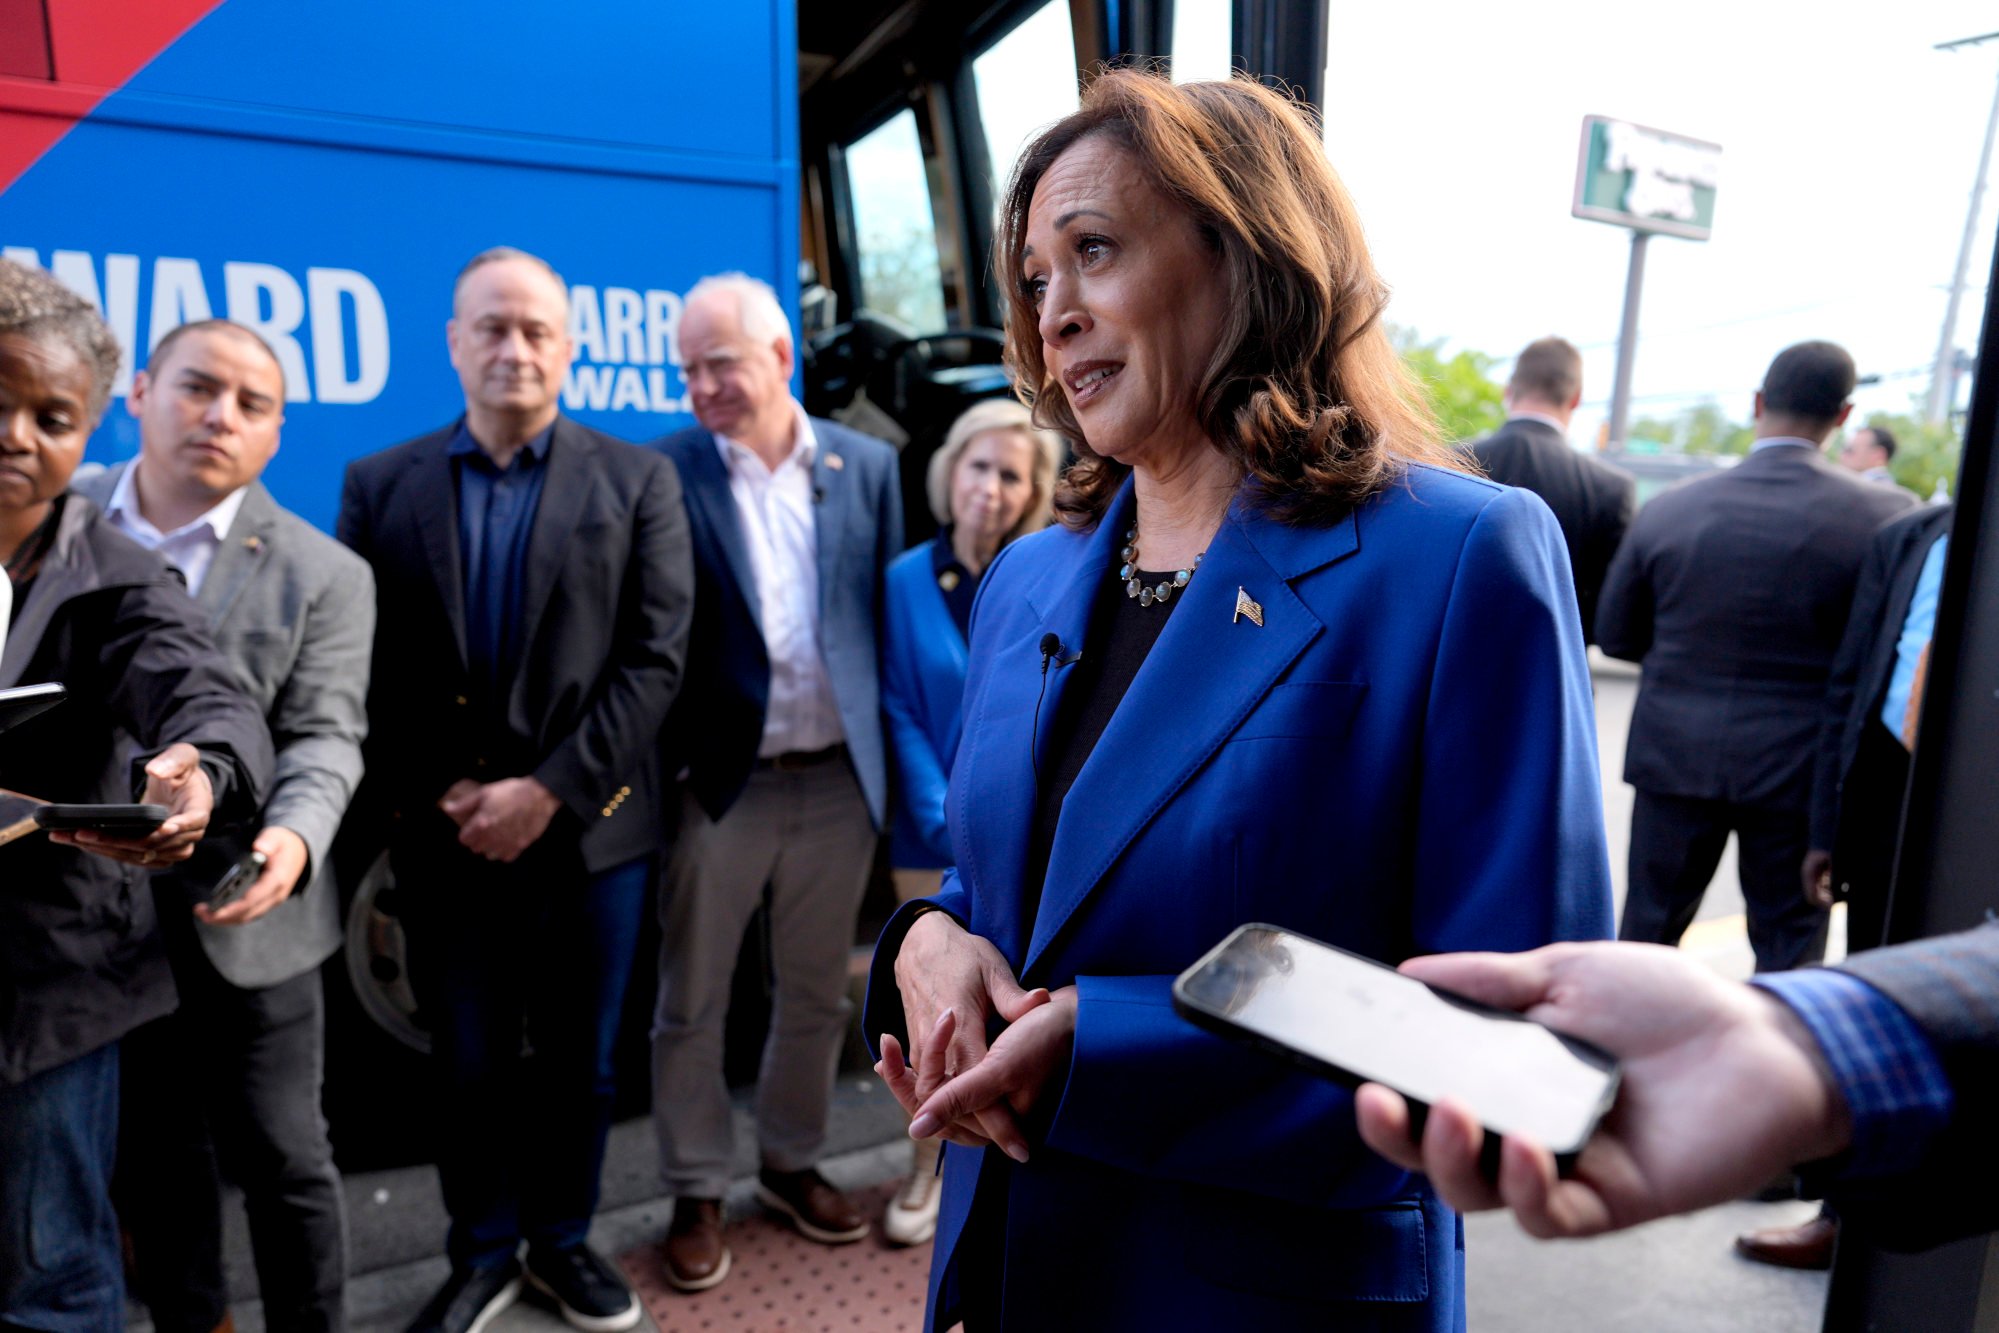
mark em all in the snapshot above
pixel 293 612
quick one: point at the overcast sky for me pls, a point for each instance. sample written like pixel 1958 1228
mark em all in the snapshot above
pixel 1849 148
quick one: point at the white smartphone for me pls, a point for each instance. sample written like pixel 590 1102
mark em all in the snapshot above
pixel 1354 1020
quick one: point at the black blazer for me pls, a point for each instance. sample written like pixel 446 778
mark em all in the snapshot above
pixel 1592 500
pixel 609 593
pixel 1733 591
pixel 81 962
pixel 1858 685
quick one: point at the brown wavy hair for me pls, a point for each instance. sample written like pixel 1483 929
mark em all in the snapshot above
pixel 1305 392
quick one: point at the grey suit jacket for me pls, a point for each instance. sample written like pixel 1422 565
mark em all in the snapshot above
pixel 293 612
pixel 1950 986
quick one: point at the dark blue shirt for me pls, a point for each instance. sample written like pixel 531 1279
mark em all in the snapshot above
pixel 495 515
pixel 959 585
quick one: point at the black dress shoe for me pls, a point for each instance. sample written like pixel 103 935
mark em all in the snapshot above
pixel 589 1291
pixel 470 1298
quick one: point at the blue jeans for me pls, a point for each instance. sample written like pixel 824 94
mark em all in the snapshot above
pixel 540 948
pixel 60 1270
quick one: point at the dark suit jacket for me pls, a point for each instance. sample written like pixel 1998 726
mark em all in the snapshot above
pixel 81 963
pixel 293 613
pixel 1862 835
pixel 1592 500
pixel 1733 590
pixel 1950 986
pixel 608 591
pixel 715 730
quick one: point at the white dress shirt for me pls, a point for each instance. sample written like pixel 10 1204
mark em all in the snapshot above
pixel 777 511
pixel 191 547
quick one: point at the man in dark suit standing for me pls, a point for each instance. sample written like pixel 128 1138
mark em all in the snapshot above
pixel 779 733
pixel 1732 590
pixel 535 590
pixel 1592 500
pixel 293 613
pixel 1860 780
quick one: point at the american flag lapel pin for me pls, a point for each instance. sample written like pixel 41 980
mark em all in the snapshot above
pixel 835 463
pixel 1245 605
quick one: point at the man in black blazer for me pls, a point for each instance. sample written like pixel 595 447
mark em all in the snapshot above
pixel 1860 779
pixel 1592 500
pixel 535 591
pixel 1732 590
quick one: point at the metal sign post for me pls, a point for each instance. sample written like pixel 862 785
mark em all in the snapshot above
pixel 1648 181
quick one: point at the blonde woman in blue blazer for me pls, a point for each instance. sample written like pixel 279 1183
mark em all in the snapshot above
pixel 990 482
pixel 1282 660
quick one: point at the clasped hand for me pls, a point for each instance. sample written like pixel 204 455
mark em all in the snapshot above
pixel 499 820
pixel 950 1082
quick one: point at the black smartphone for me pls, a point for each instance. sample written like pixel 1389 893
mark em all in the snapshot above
pixel 23 702
pixel 1354 1020
pixel 237 882
pixel 116 821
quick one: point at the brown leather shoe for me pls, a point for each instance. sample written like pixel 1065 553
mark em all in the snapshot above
pixel 1808 1245
pixel 819 1211
pixel 696 1257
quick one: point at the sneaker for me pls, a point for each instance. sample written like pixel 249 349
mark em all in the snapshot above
pixel 819 1211
pixel 588 1290
pixel 470 1298
pixel 911 1216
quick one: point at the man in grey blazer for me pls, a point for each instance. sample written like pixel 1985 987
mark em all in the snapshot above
pixel 293 612
pixel 778 733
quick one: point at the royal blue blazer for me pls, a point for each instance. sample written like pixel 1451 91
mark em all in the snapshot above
pixel 923 692
pixel 1401 759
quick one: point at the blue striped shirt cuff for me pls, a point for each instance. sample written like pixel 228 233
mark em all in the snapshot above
pixel 1885 1067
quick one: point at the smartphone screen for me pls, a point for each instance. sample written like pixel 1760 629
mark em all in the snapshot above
pixel 1360 1021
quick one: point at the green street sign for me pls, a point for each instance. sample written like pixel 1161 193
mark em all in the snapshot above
pixel 1646 179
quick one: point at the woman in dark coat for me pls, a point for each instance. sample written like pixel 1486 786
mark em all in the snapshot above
pixel 152 715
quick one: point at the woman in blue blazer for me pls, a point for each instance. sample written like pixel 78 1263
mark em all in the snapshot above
pixel 1281 661
pixel 989 483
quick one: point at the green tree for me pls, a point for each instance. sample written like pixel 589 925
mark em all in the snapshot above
pixel 1701 429
pixel 1461 391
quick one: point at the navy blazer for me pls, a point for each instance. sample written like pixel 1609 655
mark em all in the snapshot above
pixel 718 721
pixel 923 697
pixel 1732 590
pixel 1401 759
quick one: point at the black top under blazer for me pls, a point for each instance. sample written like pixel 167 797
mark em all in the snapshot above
pixel 609 597
pixel 1733 590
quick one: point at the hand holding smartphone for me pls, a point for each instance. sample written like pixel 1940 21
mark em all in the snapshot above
pixel 1354 1020
pixel 115 821
pixel 237 881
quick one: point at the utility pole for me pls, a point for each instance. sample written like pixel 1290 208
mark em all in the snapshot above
pixel 1942 378
pixel 1627 338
